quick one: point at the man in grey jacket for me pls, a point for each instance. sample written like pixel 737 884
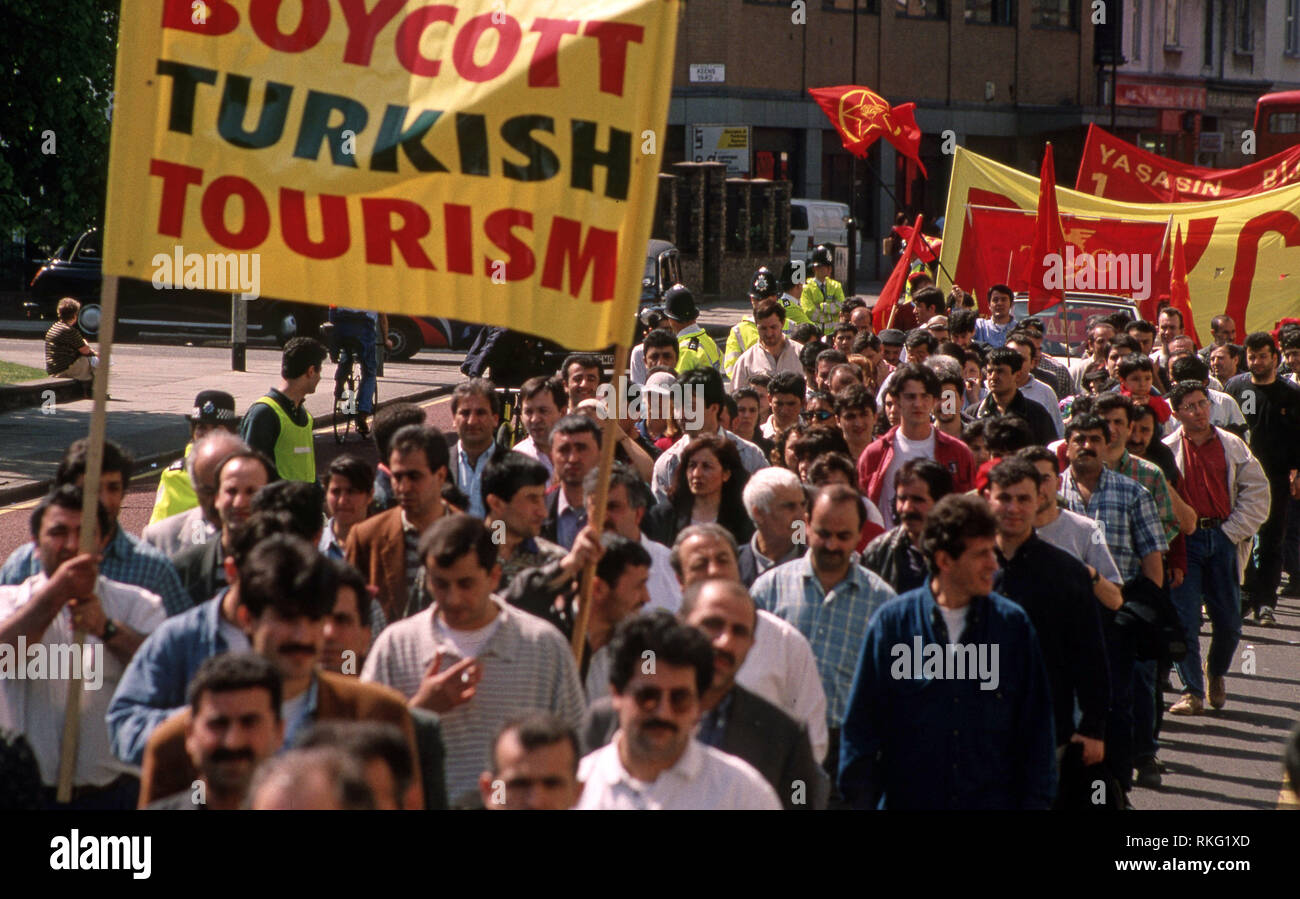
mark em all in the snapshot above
pixel 1227 487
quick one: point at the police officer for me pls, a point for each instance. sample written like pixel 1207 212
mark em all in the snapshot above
pixel 695 349
pixel 213 410
pixel 744 333
pixel 791 290
pixel 822 295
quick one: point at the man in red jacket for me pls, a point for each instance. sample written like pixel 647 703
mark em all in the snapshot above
pixel 915 390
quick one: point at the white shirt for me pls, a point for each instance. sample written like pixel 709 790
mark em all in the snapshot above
pixel 1081 537
pixel 955 621
pixel 530 449
pixel 781 668
pixel 904 449
pixel 703 778
pixel 758 361
pixel 665 592
pixel 636 365
pixel 1044 396
pixel 35 707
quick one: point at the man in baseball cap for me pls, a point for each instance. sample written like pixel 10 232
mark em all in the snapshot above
pixel 213 410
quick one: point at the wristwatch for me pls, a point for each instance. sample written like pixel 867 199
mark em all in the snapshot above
pixel 1096 576
pixel 110 630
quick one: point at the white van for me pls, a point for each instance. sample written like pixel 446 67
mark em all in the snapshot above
pixel 814 222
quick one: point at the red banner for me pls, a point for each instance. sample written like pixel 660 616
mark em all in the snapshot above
pixel 996 248
pixel 1117 170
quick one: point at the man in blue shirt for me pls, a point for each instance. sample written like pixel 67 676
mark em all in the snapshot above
pixel 994 329
pixel 359 325
pixel 951 708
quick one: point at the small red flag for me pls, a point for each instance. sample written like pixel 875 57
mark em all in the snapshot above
pixel 928 250
pixel 1179 295
pixel 862 117
pixel 1046 289
pixel 881 313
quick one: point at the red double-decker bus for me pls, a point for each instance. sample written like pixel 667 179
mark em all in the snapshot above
pixel 1277 122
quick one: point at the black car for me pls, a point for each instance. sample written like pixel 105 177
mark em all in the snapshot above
pixel 76 270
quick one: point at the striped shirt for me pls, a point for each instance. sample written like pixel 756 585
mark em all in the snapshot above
pixel 835 623
pixel 527 666
pixel 1126 514
pixel 127 560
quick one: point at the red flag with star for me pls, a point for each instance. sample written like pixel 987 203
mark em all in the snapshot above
pixel 862 117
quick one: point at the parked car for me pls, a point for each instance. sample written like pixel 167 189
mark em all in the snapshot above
pixel 1064 324
pixel 76 270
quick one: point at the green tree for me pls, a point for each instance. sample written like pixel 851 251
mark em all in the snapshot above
pixel 56 59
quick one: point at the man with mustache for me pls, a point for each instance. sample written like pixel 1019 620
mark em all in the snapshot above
pixel 287 589
pixel 829 597
pixel 234 726
pixel 653 762
pixel 896 554
pixel 735 720
pixel 1131 528
pixel 1271 406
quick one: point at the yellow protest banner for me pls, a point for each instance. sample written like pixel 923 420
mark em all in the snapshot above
pixel 483 161
pixel 1243 254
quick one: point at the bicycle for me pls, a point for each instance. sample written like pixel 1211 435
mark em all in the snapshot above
pixel 347 391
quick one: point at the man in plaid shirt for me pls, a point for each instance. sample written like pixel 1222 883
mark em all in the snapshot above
pixel 126 559
pixel 1127 519
pixel 829 597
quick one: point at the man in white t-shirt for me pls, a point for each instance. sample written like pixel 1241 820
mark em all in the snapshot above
pixel 654 762
pixel 38 619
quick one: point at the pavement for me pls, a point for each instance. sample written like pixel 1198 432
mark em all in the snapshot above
pixel 152 387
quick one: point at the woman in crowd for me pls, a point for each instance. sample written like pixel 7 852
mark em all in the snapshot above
pixel 706 489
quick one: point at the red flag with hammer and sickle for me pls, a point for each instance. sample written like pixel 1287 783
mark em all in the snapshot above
pixel 862 117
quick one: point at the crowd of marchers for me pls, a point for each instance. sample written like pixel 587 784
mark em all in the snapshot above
pixel 923 567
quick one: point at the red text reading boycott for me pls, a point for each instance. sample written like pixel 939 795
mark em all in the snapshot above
pixel 365 26
pixel 388 224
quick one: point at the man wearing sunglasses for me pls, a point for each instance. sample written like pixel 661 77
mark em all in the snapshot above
pixel 660 670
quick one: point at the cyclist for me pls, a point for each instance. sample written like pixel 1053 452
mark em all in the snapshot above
pixel 358 325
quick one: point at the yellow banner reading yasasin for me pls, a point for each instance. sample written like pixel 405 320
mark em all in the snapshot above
pixel 1243 254
pixel 487 161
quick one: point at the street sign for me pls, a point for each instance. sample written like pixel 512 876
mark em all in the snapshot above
pixel 729 144
pixel 708 73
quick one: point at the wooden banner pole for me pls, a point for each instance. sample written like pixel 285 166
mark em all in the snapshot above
pixel 608 442
pixel 89 527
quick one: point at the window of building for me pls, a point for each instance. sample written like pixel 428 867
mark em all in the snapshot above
pixel 1171 24
pixel 921 9
pixel 1243 30
pixel 1292 31
pixel 1207 38
pixel 991 12
pixel 867 6
pixel 1135 51
pixel 1054 14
